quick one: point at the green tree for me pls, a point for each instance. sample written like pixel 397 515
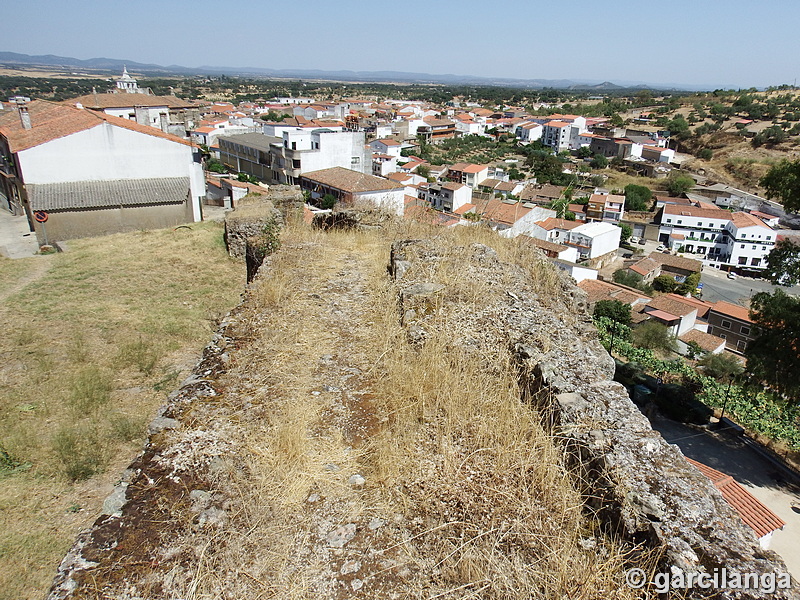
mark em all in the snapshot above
pixel 653 336
pixel 423 171
pixel 774 355
pixel 627 232
pixel 328 200
pixel 783 263
pixel 678 184
pixel 599 162
pixel 637 197
pixel 722 367
pixel 665 283
pixel 782 181
pixel 690 285
pixel 705 154
pixel 614 310
pixel 584 152
pixel 625 277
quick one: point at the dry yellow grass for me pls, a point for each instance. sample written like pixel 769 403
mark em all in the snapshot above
pixel 92 343
pixel 472 496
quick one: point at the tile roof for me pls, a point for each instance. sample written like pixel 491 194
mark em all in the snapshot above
pixel 555 223
pixel 350 181
pixel 605 290
pixel 387 142
pixel 644 267
pixel 103 101
pixel 694 211
pixel 543 244
pixel 706 341
pixel 662 315
pixel 732 310
pixel 672 305
pixel 52 121
pixel 677 262
pixel 754 514
pixel 702 306
pixel 108 194
pixel 743 219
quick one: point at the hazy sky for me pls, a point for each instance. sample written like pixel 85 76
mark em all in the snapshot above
pixel 698 42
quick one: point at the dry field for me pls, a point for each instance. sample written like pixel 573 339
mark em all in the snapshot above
pixel 93 341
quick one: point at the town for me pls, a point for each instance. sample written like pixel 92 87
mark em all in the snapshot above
pixel 676 264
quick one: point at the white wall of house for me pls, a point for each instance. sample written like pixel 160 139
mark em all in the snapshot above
pixel 381 147
pixel 527 224
pixel 153 113
pixel 595 239
pixel 393 200
pixel 577 272
pixel 751 245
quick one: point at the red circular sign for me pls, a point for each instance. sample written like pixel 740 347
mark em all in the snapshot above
pixel 40 216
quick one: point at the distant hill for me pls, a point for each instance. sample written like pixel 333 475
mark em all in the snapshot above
pixel 113 65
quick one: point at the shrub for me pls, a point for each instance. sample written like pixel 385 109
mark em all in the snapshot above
pixel 665 283
pixel 80 452
pixel 90 389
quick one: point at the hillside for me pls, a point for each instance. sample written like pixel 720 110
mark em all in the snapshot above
pixel 439 431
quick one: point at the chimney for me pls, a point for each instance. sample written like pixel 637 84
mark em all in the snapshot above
pixel 22 107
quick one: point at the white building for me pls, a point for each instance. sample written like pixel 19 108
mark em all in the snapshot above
pixel 732 239
pixel 94 173
pixel 386 146
pixel 352 187
pixel 594 239
pixel 529 131
pixel 564 132
pixel 448 197
pixel 306 150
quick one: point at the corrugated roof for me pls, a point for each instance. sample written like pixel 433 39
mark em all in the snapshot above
pixel 108 194
pixel 754 514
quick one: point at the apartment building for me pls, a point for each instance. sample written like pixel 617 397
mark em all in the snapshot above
pixel 302 151
pixel 605 207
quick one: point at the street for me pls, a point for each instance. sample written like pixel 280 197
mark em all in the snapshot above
pixel 717 286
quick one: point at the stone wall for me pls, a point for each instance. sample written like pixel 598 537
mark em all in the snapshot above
pixel 639 487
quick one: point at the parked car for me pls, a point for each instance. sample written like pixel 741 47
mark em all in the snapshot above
pixel 642 241
pixel 661 248
pixel 731 275
pixel 634 239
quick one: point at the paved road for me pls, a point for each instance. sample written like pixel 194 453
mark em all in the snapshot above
pixel 716 286
pixel 727 453
pixel 16 239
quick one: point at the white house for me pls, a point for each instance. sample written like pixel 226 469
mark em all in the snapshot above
pixel 305 150
pixel 530 131
pixel 94 173
pixel 563 132
pixel 386 146
pixel 594 239
pixel 449 196
pixel 350 187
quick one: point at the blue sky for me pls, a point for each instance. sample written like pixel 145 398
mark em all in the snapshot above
pixel 698 42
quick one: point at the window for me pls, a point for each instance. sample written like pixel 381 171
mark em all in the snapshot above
pixel 723 336
pixel 669 220
pixel 742 246
pixel 769 237
pixel 742 260
pixel 741 345
pixel 745 330
pixel 355 160
pixel 699 224
pixel 680 221
pixel 726 324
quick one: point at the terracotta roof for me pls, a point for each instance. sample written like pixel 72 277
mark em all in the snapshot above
pixel 464 209
pixel 497 211
pixel 52 121
pixel 732 310
pixel 387 142
pixel 743 219
pixel 677 262
pixel 701 306
pixel 103 101
pixel 468 167
pixel 554 223
pixel 706 341
pixel 350 181
pixel 754 514
pixel 598 290
pixel 694 211
pixel 644 267
pixel 557 124
pixel 662 315
pixel 543 244
pixel 399 177
pixel 672 305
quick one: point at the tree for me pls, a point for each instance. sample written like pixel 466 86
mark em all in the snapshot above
pixel 423 171
pixel 599 162
pixel 584 152
pixel 678 184
pixel 705 154
pixel 627 232
pixel 782 181
pixel 665 283
pixel 653 336
pixel 774 355
pixel 614 310
pixel 722 367
pixel 689 285
pixel 783 263
pixel 637 197
pixel 328 200
pixel 625 277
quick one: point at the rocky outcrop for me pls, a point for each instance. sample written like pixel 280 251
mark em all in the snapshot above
pixel 637 485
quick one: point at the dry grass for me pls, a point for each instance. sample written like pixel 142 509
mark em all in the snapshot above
pixel 90 349
pixel 474 495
